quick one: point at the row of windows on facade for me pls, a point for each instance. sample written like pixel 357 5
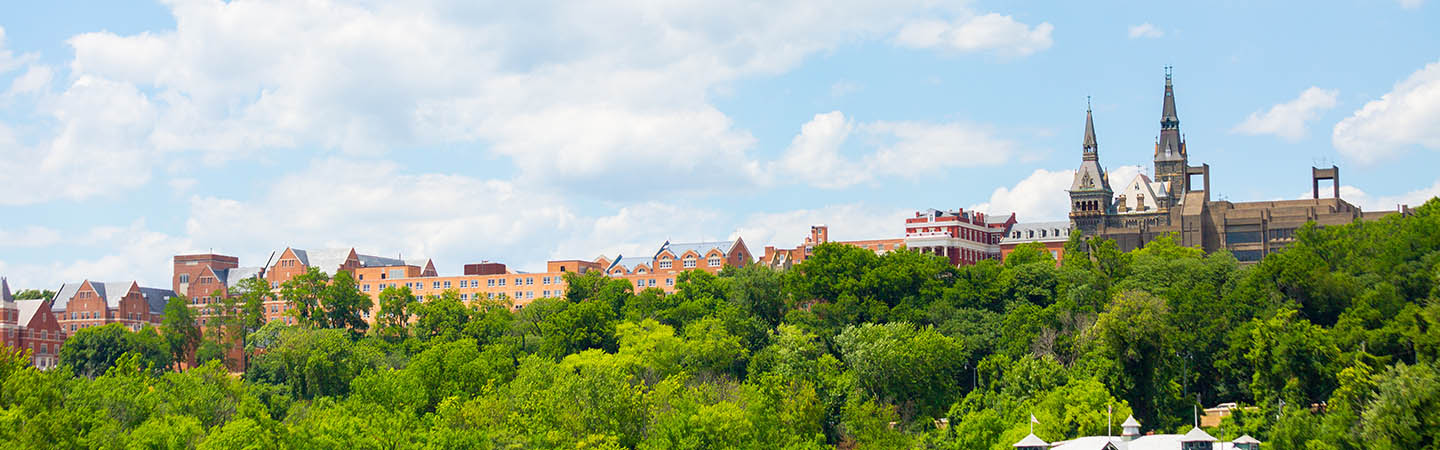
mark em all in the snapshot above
pixel 30 333
pixel 85 315
pixel 492 282
pixel 688 263
pixel 1250 237
pixel 1030 234
pixel 185 279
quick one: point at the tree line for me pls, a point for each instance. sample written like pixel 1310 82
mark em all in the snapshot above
pixel 1330 343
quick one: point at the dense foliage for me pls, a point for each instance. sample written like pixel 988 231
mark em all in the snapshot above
pixel 1331 343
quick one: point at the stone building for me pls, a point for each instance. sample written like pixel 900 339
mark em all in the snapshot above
pixel 1172 201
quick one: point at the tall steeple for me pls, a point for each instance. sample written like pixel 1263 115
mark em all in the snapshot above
pixel 1171 157
pixel 1090 195
pixel 1171 145
pixel 1090 147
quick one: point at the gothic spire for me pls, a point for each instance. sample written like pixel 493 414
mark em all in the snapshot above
pixel 1090 146
pixel 1170 146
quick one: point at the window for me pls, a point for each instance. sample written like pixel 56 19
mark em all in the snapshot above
pixel 652 282
pixel 362 277
pixel 447 284
pixel 184 278
pixel 364 288
pixel 502 281
pixel 1247 255
pixel 544 293
pixel 639 283
pixel 490 282
pixel 519 281
pixel 530 294
pixel 1242 237
pixel 669 281
pixel 714 261
pixel 640 270
pixel 544 280
pixel 529 281
pixel 436 284
pixel 665 263
pixel 689 262
pixel 464 284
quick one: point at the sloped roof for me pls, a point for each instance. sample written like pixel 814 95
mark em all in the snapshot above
pixel 1198 435
pixel 113 292
pixel 232 277
pixel 1246 439
pixel 28 308
pixel 1090 177
pixel 699 247
pixel 327 259
pixel 1131 422
pixel 1037 232
pixel 1087 443
pixel 5 291
pixel 1031 441
pixel 1142 185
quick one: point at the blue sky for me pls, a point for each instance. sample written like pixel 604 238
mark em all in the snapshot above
pixel 463 131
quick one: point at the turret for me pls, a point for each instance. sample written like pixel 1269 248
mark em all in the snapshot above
pixel 1130 429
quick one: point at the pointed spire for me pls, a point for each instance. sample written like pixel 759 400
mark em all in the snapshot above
pixel 1090 147
pixel 5 290
pixel 1170 147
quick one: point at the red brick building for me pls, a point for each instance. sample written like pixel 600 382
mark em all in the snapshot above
pixel 93 303
pixel 29 324
pixel 660 269
pixel 963 237
pixel 820 234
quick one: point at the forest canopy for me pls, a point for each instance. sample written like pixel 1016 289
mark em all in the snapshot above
pixel 1330 343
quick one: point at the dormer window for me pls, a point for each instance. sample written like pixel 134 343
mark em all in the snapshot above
pixel 689 262
pixel 666 263
pixel 714 261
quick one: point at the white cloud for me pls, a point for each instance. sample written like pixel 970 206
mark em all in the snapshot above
pixel 988 32
pixel 1145 31
pixel 35 79
pixel 1370 202
pixel 8 59
pixel 1043 195
pixel 842 88
pixel 1037 198
pixel 854 221
pixel 577 95
pixel 1403 118
pixel 30 236
pixel 131 252
pixel 1287 120
pixel 900 149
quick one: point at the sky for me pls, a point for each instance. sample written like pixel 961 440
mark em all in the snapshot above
pixel 521 132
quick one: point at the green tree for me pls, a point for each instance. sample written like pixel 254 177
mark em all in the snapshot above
pixel 1030 252
pixel 345 307
pixel 92 351
pixel 1403 413
pixel 1132 349
pixel 304 292
pixel 901 364
pixel 182 333
pixel 397 305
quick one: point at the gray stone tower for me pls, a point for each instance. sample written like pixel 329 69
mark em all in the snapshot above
pixel 1090 195
pixel 1171 159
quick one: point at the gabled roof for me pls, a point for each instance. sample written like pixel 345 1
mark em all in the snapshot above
pixel 1246 439
pixel 1031 441
pixel 1197 435
pixel 28 308
pixel 1142 185
pixel 702 248
pixel 113 292
pixel 327 260
pixel 232 277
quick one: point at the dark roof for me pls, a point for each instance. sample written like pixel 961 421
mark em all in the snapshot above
pixel 1090 146
pixel 1170 147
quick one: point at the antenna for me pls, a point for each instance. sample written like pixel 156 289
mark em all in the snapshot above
pixel 1087 103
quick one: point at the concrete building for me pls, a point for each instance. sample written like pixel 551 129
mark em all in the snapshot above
pixel 92 303
pixel 30 325
pixel 1173 202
